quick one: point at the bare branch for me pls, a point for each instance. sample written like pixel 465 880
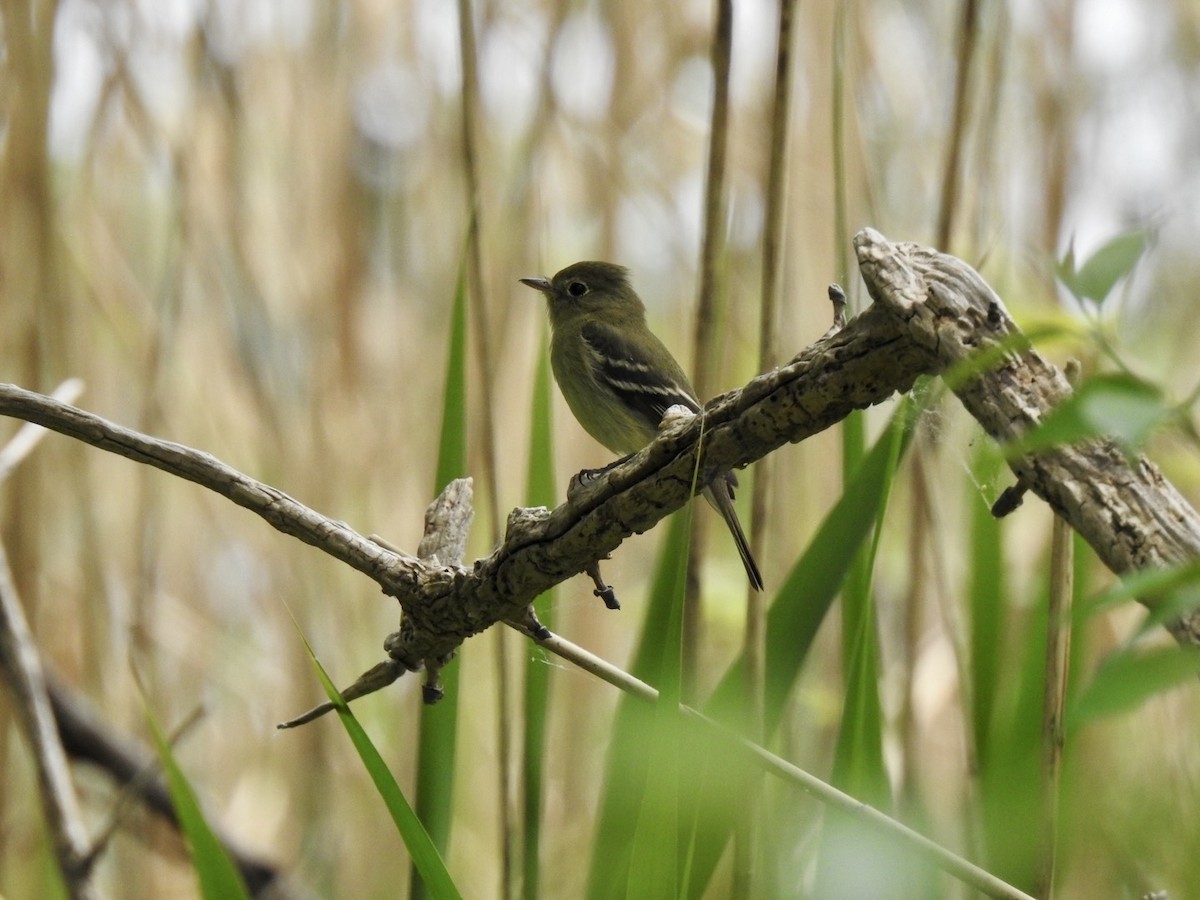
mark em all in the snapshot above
pixel 23 442
pixel 447 524
pixel 1127 511
pixel 22 668
pixel 444 605
pixel 931 312
pixel 395 570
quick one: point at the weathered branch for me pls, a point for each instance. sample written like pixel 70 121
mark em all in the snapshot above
pixel 447 524
pixel 444 605
pixel 1127 511
pixel 931 312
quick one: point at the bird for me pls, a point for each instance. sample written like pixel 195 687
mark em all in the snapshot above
pixel 617 377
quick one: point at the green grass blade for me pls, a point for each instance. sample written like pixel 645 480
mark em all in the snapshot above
pixel 439 722
pixel 626 767
pixel 540 491
pixel 986 597
pixel 653 870
pixel 813 583
pixel 858 759
pixel 541 488
pixel 452 444
pixel 858 766
pixel 217 876
pixel 854 442
pixel 796 614
pixel 425 856
pixel 1010 770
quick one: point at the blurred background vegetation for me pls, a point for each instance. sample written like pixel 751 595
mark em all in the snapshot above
pixel 242 225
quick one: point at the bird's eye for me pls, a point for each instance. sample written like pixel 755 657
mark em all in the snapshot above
pixel 577 288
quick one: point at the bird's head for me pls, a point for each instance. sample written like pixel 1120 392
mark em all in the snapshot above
pixel 588 289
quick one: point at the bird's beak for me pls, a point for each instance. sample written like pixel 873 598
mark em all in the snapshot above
pixel 538 284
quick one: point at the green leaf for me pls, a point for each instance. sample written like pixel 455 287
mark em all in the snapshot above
pixel 793 620
pixel 1180 601
pixel 626 767
pixel 1172 587
pixel 1096 278
pixel 1118 406
pixel 858 765
pixel 653 866
pixel 426 859
pixel 999 353
pixel 1010 766
pixel 799 609
pixel 540 491
pixel 986 593
pixel 858 758
pixel 452 444
pixel 1132 675
pixel 439 722
pixel 216 874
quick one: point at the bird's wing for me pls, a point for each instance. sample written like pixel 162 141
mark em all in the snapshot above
pixel 627 369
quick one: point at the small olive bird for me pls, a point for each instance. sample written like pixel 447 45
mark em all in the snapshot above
pixel 617 377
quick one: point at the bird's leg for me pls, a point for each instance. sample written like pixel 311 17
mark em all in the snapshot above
pixel 586 475
pixel 603 591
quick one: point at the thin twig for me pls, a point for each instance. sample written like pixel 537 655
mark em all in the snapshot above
pixel 84 735
pixel 603 591
pixel 28 435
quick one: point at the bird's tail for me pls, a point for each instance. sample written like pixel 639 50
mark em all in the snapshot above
pixel 720 494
